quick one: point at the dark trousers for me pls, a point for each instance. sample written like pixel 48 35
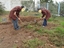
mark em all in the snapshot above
pixel 15 24
pixel 45 22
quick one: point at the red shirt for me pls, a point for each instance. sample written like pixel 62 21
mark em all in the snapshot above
pixel 16 9
pixel 47 13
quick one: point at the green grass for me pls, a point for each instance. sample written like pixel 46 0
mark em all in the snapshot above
pixel 62 23
pixel 0 19
pixel 29 26
pixel 35 28
pixel 33 43
pixel 6 12
pixel 57 38
pixel 39 30
pixel 60 31
pixel 14 46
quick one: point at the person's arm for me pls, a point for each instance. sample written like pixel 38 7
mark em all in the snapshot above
pixel 44 17
pixel 16 16
pixel 43 14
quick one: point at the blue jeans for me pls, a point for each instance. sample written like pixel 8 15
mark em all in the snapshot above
pixel 15 24
pixel 45 22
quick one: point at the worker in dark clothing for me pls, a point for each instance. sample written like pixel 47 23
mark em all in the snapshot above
pixel 14 16
pixel 45 15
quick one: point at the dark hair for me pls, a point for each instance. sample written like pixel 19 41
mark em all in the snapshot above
pixel 22 6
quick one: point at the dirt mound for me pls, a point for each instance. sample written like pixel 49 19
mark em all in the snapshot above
pixel 24 19
pixel 5 23
pixel 30 18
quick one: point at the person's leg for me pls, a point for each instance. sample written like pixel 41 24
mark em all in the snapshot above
pixel 15 24
pixel 45 22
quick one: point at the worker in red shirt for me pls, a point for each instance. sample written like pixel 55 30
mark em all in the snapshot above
pixel 45 15
pixel 14 16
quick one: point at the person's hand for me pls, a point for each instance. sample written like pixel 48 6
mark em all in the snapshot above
pixel 44 17
pixel 19 19
pixel 41 18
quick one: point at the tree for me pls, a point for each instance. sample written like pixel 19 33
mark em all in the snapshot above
pixel 53 8
pixel 62 9
pixel 1 8
pixel 28 4
pixel 45 1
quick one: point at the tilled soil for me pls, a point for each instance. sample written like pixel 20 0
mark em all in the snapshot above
pixel 10 38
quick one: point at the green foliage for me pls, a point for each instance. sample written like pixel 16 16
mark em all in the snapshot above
pixel 53 8
pixel 1 8
pixel 46 1
pixel 33 43
pixel 62 9
pixel 42 1
pixel 28 4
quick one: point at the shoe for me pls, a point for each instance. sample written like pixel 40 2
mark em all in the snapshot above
pixel 17 28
